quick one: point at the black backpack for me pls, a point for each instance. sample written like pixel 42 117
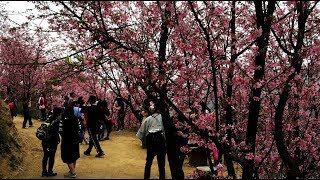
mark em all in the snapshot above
pixel 44 132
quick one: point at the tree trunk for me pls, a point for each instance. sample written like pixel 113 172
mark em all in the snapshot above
pixel 292 163
pixel 172 148
pixel 263 21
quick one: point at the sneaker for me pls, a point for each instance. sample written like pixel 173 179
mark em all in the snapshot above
pixel 100 154
pixel 70 175
pixel 86 153
pixel 106 138
pixel 51 174
pixel 24 127
pixel 44 174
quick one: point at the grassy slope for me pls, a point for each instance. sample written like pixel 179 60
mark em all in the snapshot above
pixel 10 148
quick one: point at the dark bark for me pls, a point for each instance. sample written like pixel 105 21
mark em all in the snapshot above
pixel 291 163
pixel 229 118
pixel 263 21
pixel 172 148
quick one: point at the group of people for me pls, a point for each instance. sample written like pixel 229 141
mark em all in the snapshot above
pixel 72 121
pixel 71 128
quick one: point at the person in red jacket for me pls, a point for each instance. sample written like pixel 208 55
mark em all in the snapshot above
pixel 12 107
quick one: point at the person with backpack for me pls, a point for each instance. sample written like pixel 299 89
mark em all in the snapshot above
pixel 48 132
pixel 77 110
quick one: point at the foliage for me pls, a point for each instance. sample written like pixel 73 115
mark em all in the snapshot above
pixel 255 63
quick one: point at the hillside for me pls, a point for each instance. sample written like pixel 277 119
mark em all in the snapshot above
pixel 10 144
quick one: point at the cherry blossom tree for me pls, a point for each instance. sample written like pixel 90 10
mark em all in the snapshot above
pixel 21 75
pixel 255 61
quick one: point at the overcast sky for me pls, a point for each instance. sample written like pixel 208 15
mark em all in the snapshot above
pixel 17 10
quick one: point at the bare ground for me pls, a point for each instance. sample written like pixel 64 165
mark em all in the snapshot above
pixel 124 159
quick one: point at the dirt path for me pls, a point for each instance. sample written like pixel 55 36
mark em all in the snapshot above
pixel 124 159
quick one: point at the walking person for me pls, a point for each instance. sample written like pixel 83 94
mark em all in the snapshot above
pixel 49 145
pixel 93 125
pixel 70 139
pixel 119 106
pixel 43 105
pixel 26 113
pixel 152 129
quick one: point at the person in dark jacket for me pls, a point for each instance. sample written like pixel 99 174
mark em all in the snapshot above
pixel 93 125
pixel 50 144
pixel 70 135
pixel 107 126
pixel 26 113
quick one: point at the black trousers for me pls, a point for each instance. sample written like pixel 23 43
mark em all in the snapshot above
pixel 155 147
pixel 121 121
pixel 26 117
pixel 43 114
pixel 107 126
pixel 93 133
pixel 49 152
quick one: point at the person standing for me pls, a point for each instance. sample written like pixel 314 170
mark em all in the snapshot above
pixel 145 113
pixel 26 113
pixel 70 139
pixel 77 110
pixel 119 106
pixel 107 126
pixel 12 107
pixel 93 125
pixel 153 131
pixel 43 104
pixel 50 144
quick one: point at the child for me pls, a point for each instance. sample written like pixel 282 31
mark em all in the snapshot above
pixel 50 144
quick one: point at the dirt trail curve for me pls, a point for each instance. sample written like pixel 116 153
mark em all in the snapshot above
pixel 124 158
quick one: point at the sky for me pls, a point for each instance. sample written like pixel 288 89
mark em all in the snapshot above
pixel 17 10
